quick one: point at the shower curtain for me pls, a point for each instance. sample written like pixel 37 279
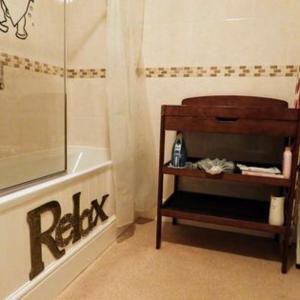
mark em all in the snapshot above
pixel 131 139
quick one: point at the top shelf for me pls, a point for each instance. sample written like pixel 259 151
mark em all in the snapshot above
pixel 280 182
pixel 248 113
pixel 251 121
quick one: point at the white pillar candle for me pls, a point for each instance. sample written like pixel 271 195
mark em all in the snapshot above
pixel 276 213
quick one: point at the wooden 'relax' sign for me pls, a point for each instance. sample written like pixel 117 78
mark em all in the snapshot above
pixel 62 231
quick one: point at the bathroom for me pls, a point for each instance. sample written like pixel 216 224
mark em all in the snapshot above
pixel 81 89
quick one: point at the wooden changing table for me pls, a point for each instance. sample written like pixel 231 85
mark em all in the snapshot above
pixel 241 115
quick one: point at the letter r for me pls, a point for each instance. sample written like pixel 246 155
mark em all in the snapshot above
pixel 37 237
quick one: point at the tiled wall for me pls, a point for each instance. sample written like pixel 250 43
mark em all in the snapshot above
pixel 215 47
pixel 32 89
pixel 32 113
pixel 43 29
pixel 200 47
pixel 220 47
pixel 221 32
pixel 86 62
pixel 87 121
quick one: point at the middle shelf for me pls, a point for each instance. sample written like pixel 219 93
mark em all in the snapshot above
pixel 280 182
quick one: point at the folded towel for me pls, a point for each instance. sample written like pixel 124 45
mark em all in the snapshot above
pixel 251 173
pixel 272 170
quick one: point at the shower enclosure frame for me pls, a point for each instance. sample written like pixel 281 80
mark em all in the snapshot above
pixel 32 182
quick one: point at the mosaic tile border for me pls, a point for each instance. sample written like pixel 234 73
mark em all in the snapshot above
pixel 86 73
pixel 224 71
pixel 157 72
pixel 18 62
pixel 30 65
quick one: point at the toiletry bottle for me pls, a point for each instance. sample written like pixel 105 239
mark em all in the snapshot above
pixel 179 156
pixel 287 162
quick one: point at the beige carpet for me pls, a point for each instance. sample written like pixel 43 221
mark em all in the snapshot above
pixel 193 263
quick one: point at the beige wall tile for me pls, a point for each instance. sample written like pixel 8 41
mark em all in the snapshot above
pixel 86 41
pixel 87 113
pixel 45 41
pixel 88 131
pixel 87 97
pixel 200 32
pixel 32 113
pixel 86 34
pixel 234 33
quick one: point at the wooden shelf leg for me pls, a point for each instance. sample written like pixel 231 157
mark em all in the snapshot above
pixel 285 253
pixel 160 181
pixel 158 232
pixel 175 220
pixel 287 233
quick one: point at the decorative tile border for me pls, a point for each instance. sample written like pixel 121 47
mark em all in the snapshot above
pixel 30 65
pixel 225 71
pixel 160 72
pixel 86 73
pixel 18 62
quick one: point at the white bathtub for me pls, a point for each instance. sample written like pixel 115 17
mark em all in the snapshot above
pixel 81 160
pixel 84 158
pixel 90 174
pixel 26 167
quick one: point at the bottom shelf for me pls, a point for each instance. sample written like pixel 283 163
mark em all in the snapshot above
pixel 242 213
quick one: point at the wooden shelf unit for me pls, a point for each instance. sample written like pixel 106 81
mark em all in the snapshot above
pixel 229 115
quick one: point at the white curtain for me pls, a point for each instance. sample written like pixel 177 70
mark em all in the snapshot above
pixel 1 75
pixel 131 138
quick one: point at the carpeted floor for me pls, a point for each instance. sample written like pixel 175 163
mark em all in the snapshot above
pixel 193 263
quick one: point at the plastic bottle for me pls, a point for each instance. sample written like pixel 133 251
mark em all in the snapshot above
pixel 287 162
pixel 179 156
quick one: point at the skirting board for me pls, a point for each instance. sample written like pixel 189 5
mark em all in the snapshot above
pixel 60 273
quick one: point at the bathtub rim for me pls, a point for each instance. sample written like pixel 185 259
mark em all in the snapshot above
pixel 27 184
pixel 19 197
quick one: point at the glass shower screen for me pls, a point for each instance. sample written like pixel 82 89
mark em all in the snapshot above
pixel 32 91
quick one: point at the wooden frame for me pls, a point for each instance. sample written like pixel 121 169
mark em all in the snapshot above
pixel 235 115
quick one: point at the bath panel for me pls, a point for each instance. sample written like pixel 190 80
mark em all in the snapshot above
pixel 24 218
